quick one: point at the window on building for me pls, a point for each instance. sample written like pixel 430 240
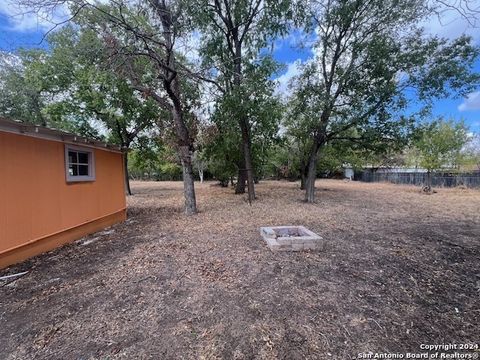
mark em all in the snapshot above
pixel 79 164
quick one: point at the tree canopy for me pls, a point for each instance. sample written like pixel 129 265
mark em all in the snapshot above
pixel 367 55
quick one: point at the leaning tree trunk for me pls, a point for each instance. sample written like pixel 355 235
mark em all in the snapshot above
pixel 127 175
pixel 171 84
pixel 184 147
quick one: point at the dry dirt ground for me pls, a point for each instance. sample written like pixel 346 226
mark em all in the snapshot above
pixel 400 269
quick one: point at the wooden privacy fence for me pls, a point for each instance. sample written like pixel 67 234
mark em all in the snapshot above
pixel 470 180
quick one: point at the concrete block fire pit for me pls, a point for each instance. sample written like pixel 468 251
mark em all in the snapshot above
pixel 291 238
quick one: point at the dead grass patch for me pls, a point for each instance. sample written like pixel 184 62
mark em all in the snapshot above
pixel 400 269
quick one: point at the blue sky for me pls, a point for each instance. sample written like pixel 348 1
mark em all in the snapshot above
pixel 26 31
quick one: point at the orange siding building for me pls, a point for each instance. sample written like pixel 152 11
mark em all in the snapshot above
pixel 54 188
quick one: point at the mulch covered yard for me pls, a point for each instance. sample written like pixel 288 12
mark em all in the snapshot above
pixel 400 269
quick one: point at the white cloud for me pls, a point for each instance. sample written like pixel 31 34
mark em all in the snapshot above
pixel 293 69
pixel 472 102
pixel 451 24
pixel 22 20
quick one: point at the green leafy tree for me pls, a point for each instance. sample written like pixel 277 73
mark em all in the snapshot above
pixel 233 36
pixel 29 93
pixel 144 160
pixel 151 31
pixel 153 159
pixel 148 32
pixel 80 89
pixel 439 145
pixel 221 146
pixel 472 153
pixel 20 97
pixel 264 112
pixel 367 54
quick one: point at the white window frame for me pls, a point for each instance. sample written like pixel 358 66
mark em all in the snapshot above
pixel 91 164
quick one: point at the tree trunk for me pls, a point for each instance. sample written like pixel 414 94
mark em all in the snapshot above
pixel 188 181
pixel 243 120
pixel 303 174
pixel 311 173
pixel 200 175
pixel 245 172
pixel 241 182
pixel 171 85
pixel 428 186
pixel 311 176
pixel 185 156
pixel 303 179
pixel 127 176
pixel 242 175
pixel 248 160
